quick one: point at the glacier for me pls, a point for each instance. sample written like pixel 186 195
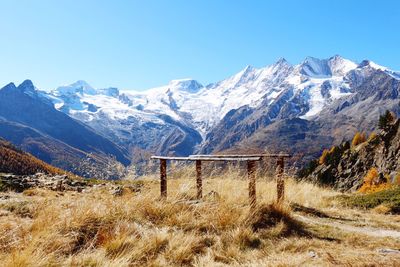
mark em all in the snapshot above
pixel 187 106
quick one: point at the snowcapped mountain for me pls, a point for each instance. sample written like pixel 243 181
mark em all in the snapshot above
pixel 185 116
pixel 203 107
pixel 29 120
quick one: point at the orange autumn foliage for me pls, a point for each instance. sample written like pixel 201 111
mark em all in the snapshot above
pixel 13 160
pixel 322 159
pixel 359 138
pixel 372 184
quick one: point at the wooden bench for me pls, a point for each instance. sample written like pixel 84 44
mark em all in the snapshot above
pixel 250 159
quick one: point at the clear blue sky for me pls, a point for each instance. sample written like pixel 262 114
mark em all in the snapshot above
pixel 143 44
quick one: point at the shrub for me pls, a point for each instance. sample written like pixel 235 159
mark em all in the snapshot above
pixel 372 136
pixel 386 119
pixel 372 183
pixel 333 155
pixel 359 138
pixel 322 159
pixel 328 157
pixel 389 198
pixel 397 178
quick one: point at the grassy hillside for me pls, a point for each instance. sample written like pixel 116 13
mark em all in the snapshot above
pixel 386 200
pixel 13 160
pixel 44 228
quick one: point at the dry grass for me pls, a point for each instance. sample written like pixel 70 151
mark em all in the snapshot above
pixel 43 228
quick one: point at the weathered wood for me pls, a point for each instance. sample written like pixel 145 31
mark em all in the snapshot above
pixel 199 181
pixel 207 158
pixel 243 156
pixel 171 158
pixel 252 182
pixel 163 177
pixel 228 159
pixel 280 182
pixel 251 163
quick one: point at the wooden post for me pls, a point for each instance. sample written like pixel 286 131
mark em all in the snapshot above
pixel 163 177
pixel 280 183
pixel 252 182
pixel 199 181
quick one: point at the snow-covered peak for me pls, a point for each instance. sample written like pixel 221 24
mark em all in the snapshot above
pixel 242 77
pixel 247 69
pixel 78 87
pixel 371 64
pixel 314 83
pixel 188 85
pixel 281 65
pixel 340 66
pixel 281 62
pixel 81 83
pixel 315 67
pixel 111 91
pixel 324 68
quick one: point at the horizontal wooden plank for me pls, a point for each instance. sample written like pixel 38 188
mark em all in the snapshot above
pixel 171 158
pixel 227 159
pixel 242 156
pixel 208 158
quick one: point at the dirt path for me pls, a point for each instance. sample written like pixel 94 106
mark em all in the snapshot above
pixel 370 231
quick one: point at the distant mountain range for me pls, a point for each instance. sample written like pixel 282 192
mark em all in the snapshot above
pixel 30 121
pixel 282 107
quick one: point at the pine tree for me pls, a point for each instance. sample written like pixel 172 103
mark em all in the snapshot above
pixel 322 159
pixel 386 119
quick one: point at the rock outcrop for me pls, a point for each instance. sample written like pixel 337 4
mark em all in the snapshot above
pixel 19 183
pixel 346 172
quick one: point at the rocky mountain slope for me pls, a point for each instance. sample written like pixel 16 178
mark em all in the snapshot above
pixel 282 107
pixel 345 167
pixel 30 121
pixel 13 160
pixel 337 120
pixel 250 107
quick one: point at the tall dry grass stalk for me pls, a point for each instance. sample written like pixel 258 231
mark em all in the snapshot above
pixel 140 229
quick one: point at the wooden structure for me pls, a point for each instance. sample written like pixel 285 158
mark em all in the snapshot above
pixel 251 160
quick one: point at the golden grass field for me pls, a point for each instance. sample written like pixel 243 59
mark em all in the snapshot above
pixel 95 228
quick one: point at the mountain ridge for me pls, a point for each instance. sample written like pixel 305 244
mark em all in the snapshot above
pixel 185 117
pixel 29 120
